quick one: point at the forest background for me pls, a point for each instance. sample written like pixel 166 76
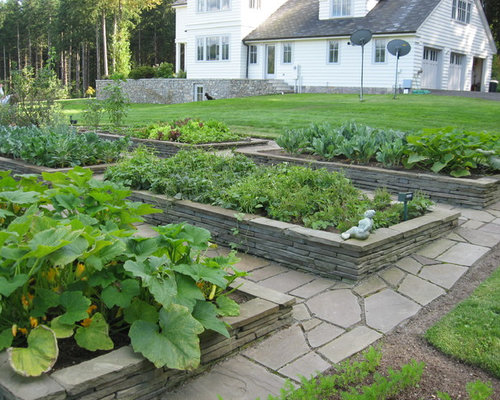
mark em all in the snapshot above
pixel 94 39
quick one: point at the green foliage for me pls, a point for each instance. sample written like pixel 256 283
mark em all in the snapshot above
pixel 164 70
pixel 144 71
pixel 116 103
pixel 454 151
pixel 93 112
pixel 479 390
pixel 181 74
pixel 70 260
pixel 315 198
pixel 35 95
pixel 352 141
pixel 470 332
pixel 189 130
pixel 58 146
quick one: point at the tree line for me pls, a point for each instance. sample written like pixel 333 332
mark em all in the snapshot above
pixel 85 39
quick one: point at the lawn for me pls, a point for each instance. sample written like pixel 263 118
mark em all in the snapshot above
pixel 471 331
pixel 268 116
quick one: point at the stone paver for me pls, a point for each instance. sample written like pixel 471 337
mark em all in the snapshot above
pixel 287 281
pixel 235 379
pixel 349 343
pixel 477 215
pixel 312 288
pixel 340 307
pixel 309 365
pixel 491 228
pixel 266 272
pixel 409 264
pixel 249 263
pixel 300 312
pixel 370 285
pixel 419 290
pixel 479 238
pixel 444 275
pixel 392 275
pixel 387 309
pixel 279 349
pixel 323 334
pixel 436 248
pixel 471 224
pixel 311 324
pixel 463 254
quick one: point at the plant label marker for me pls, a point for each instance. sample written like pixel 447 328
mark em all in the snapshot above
pixel 405 198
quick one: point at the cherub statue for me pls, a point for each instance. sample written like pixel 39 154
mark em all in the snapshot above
pixel 362 231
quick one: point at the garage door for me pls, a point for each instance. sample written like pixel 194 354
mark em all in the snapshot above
pixel 456 71
pixel 431 71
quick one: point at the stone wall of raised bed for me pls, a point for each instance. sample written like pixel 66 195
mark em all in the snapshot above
pixel 165 149
pixel 465 192
pixel 322 253
pixel 123 374
pixel 20 167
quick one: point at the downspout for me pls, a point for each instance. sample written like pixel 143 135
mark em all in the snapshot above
pixel 248 59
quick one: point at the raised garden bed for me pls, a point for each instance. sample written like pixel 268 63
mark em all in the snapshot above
pixel 20 167
pixel 465 192
pixel 123 374
pixel 166 149
pixel 322 253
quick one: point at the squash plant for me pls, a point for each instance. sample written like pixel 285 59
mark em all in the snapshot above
pixel 72 266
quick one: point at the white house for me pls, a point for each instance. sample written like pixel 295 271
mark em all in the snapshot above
pixel 306 43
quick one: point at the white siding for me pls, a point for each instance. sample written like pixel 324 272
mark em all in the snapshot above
pixel 359 8
pixel 442 32
pixel 312 58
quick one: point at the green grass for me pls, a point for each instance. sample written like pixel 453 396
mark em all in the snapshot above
pixel 471 331
pixel 268 116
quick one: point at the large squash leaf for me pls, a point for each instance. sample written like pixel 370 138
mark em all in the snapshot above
pixel 6 339
pixel 61 330
pixel 200 272
pixel 7 287
pixel 177 344
pixel 187 292
pixel 140 310
pixel 206 313
pixel 76 305
pixel 40 355
pixel 227 307
pixel 95 335
pixel 121 293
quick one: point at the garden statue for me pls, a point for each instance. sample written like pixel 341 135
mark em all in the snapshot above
pixel 363 229
pixel 3 99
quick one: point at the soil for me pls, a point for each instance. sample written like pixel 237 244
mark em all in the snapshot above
pixel 442 372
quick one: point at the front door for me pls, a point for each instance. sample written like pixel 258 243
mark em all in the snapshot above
pixel 270 61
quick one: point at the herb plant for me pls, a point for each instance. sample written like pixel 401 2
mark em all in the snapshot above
pixel 315 198
pixel 189 130
pixel 71 268
pixel 58 146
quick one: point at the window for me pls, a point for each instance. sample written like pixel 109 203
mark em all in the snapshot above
pixel 461 10
pixel 430 54
pixel 456 59
pixel 213 5
pixel 212 48
pixel 379 51
pixel 341 8
pixel 254 4
pixel 333 51
pixel 199 93
pixel 287 53
pixel 253 54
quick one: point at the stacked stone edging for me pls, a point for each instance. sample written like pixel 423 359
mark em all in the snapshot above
pixel 464 192
pixel 322 253
pixel 165 149
pixel 21 167
pixel 123 374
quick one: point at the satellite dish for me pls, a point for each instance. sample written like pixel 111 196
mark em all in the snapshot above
pixel 398 48
pixel 360 38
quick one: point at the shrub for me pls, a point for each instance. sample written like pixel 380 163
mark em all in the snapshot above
pixel 164 70
pixel 116 103
pixel 144 71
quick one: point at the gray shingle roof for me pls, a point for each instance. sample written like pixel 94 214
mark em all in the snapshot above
pixel 300 19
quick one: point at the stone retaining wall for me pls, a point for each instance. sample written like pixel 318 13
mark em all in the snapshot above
pixel 167 149
pixel 173 91
pixel 465 192
pixel 123 374
pixel 322 253
pixel 20 167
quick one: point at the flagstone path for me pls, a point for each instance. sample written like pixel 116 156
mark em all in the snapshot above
pixel 334 320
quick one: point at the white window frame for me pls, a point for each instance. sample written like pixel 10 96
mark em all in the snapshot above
pixel 198 93
pixel 456 58
pixel 341 8
pixel 254 4
pixel 379 51
pixel 431 54
pixel 287 53
pixel 333 52
pixel 212 5
pixel 213 48
pixel 461 11
pixel 253 54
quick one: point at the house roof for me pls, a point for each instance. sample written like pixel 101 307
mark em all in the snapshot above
pixel 300 19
